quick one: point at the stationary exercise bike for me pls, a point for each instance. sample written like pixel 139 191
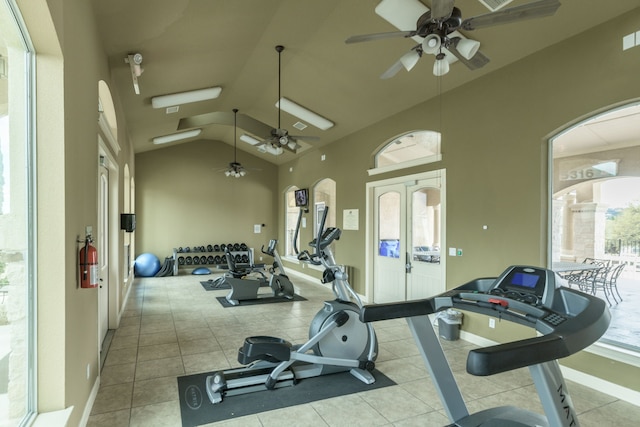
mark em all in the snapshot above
pixel 338 340
pixel 243 289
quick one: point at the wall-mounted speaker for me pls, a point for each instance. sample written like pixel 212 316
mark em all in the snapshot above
pixel 128 222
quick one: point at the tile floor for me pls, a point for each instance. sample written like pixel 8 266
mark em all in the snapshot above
pixel 173 327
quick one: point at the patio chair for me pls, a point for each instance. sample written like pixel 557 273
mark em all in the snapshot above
pixel 613 281
pixel 600 282
pixel 586 280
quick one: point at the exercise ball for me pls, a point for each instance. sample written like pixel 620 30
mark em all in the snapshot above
pixel 146 265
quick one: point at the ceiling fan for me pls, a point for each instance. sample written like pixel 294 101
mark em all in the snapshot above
pixel 439 27
pixel 235 169
pixel 272 140
pixel 279 137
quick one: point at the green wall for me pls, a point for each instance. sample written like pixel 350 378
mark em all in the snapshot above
pixel 184 199
pixel 494 145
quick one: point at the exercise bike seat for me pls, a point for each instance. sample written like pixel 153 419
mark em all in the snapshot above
pixel 234 270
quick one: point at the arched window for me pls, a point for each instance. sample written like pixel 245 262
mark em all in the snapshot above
pixel 324 194
pixel 407 150
pixel 595 213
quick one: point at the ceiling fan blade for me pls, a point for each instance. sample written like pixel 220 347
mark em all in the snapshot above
pixel 536 9
pixel 441 9
pixel 379 36
pixel 393 70
pixel 410 59
pixel 478 60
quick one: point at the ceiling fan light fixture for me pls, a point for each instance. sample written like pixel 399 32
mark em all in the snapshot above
pixel 441 65
pixel 292 145
pixel 410 59
pixel 467 48
pixel 176 136
pixel 249 139
pixel 180 98
pixel 431 44
pixel 304 114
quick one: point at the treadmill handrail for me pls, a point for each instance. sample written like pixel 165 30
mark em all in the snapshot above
pixel 577 332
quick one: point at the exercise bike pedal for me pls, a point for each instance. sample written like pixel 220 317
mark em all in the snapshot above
pixel 264 348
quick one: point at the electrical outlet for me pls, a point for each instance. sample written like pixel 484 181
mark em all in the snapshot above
pixel 88 370
pixel 492 323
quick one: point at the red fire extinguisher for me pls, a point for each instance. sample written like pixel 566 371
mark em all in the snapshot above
pixel 88 259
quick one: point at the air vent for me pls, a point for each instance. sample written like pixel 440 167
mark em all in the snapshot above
pixel 299 126
pixel 494 5
pixel 173 109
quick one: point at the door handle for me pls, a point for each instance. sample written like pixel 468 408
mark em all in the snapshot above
pixel 407 265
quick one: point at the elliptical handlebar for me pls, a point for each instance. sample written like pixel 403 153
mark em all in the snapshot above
pixel 295 235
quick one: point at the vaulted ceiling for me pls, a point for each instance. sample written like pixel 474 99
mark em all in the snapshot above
pixel 194 44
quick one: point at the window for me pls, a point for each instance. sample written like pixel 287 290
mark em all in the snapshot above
pixel 17 310
pixel 595 212
pixel 408 150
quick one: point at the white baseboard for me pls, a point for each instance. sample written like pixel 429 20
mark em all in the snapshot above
pixel 579 377
pixel 607 387
pixel 90 401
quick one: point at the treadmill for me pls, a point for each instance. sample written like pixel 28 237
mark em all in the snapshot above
pixel 566 320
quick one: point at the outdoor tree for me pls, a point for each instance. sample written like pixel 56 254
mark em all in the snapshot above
pixel 626 225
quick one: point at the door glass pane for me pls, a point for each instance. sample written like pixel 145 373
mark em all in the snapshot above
pixel 425 225
pixel 389 225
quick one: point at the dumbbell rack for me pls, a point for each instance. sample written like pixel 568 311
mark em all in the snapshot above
pixel 209 256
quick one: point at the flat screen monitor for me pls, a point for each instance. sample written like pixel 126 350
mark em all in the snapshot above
pixel 302 197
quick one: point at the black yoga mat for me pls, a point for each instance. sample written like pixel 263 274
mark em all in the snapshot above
pixel 266 300
pixel 214 285
pixel 196 409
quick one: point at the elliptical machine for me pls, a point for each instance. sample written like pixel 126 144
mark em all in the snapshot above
pixel 338 340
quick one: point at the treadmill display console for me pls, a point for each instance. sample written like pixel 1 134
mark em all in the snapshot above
pixel 531 284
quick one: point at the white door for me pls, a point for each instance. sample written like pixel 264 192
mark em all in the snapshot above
pixel 408 236
pixel 103 253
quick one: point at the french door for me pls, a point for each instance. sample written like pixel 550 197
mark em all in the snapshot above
pixel 408 237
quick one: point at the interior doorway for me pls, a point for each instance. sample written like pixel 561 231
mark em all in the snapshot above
pixel 405 229
pixel 103 250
